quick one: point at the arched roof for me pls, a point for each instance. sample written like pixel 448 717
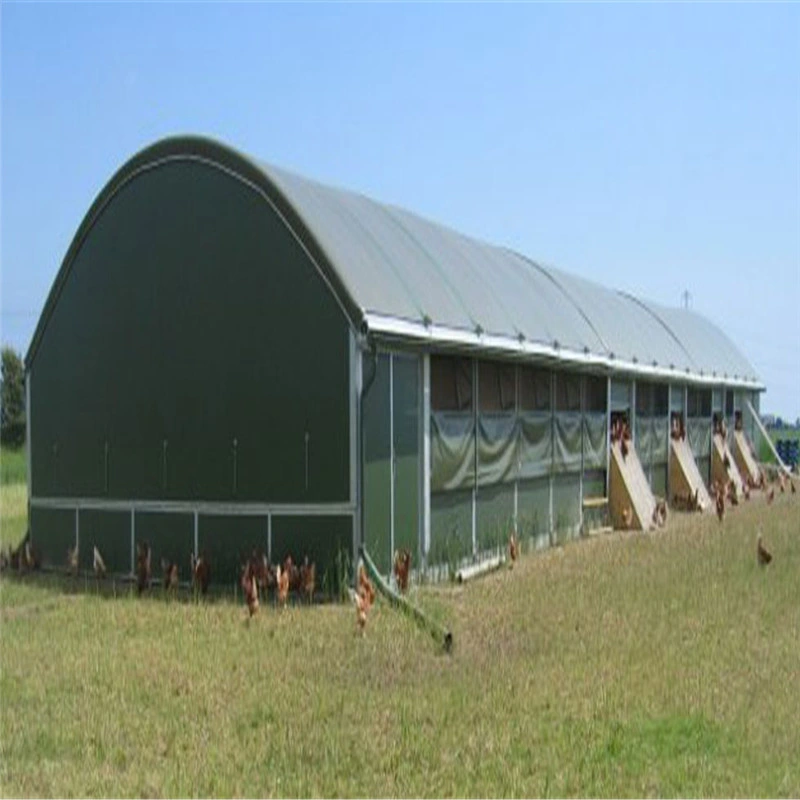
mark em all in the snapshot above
pixel 400 276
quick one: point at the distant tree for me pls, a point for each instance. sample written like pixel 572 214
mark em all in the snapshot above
pixel 12 399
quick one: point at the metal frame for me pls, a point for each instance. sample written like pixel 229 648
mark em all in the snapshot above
pixel 475 404
pixel 608 433
pixel 425 450
pixel 392 456
pixel 551 526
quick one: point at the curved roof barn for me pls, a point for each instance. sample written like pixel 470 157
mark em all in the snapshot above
pixel 399 276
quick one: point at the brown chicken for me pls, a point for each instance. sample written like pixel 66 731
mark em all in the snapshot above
pixel 201 572
pixel 513 548
pixel 763 555
pixel 308 579
pixel 293 573
pixel 623 446
pixel 771 495
pixel 29 556
pixel 250 588
pixel 143 572
pixel 362 607
pixel 402 567
pixel 720 505
pixel 170 570
pixel 627 518
pixel 98 565
pixel 72 559
pixel 282 580
pixel 264 572
pixel 365 586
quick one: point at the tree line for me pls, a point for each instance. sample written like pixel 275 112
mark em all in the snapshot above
pixel 12 400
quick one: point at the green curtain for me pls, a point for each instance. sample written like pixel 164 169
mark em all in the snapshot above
pixel 497 448
pixel 567 441
pixel 535 444
pixel 452 450
pixel 595 440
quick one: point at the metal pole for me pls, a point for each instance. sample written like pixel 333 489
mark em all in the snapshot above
pixel 426 453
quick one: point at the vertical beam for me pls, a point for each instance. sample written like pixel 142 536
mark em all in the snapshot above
pixel 583 451
pixel 355 392
pixel 426 454
pixel 392 464
pixel 269 536
pixel 475 402
pixel 608 431
pixel 196 534
pixel 356 448
pixel 516 459
pixel 133 541
pixel 77 527
pixel 552 451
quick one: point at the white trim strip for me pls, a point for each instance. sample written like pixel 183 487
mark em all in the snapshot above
pixel 407 329
pixel 201 507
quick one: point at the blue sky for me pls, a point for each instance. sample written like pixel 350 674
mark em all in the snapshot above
pixel 651 147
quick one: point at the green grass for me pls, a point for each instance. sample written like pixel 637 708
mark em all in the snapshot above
pixel 13 466
pixel 622 665
pixel 13 514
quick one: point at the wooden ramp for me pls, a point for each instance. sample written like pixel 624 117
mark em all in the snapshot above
pixel 628 488
pixel 744 457
pixel 723 467
pixel 684 476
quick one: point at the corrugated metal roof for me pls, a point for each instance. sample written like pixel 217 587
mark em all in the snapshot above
pixel 438 284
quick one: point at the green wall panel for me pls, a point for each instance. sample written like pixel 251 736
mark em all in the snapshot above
pixel 407 455
pixel 495 515
pixel 377 473
pixel 566 506
pixel 451 526
pixel 228 541
pixel 170 536
pixel 52 532
pixel 533 509
pixel 659 480
pixel 110 532
pixel 206 324
pixel 323 539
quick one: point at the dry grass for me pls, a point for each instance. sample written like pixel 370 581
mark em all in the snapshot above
pixel 661 664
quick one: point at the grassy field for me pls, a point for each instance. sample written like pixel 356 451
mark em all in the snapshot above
pixel 628 664
pixel 13 466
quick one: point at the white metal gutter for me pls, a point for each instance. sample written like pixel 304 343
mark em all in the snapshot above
pixel 419 333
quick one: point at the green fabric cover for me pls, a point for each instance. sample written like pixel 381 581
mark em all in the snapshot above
pixel 698 431
pixel 567 442
pixel 451 526
pixel 533 508
pixel 52 532
pixel 497 448
pixel 452 450
pixel 495 515
pixel 595 441
pixel 535 444
pixel 110 532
